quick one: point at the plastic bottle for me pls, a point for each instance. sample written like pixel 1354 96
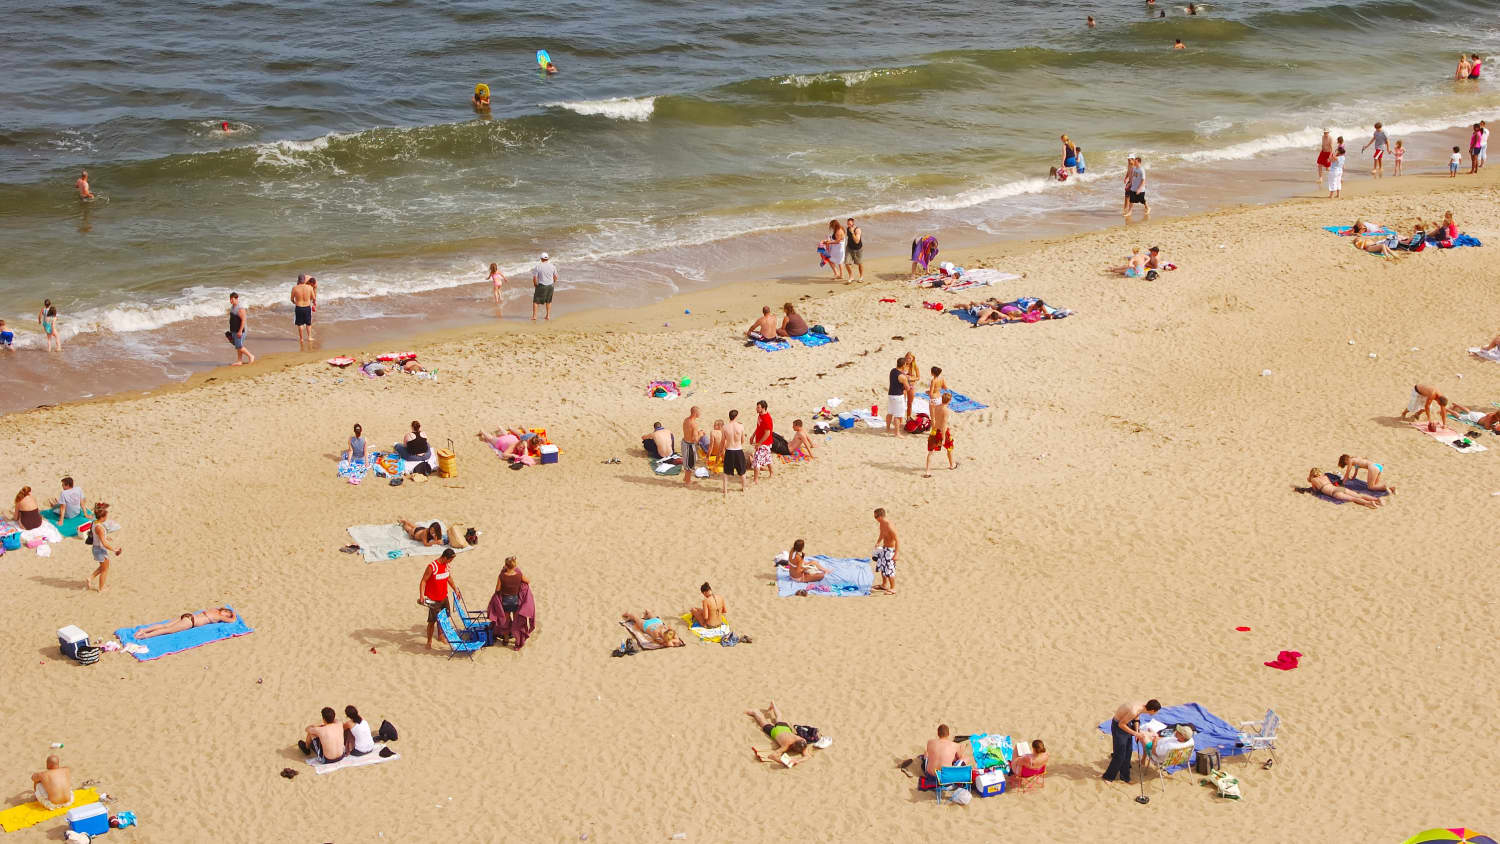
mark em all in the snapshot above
pixel 56 745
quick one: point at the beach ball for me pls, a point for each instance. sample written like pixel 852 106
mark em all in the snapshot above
pixel 686 382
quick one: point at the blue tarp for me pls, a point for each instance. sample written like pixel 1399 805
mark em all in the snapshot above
pixel 1209 730
pixel 847 577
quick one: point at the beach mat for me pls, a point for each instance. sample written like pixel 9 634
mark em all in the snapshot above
pixel 707 634
pixel 389 542
pixel 68 527
pixel 848 577
pixel 959 404
pixel 1447 436
pixel 159 646
pixel 772 345
pixel 641 638
pixel 662 469
pixel 1356 485
pixel 1339 230
pixel 371 758
pixel 30 814
pixel 1209 730
pixel 812 341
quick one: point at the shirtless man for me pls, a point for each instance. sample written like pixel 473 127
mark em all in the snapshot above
pixel 692 432
pixel 187 621
pixel 1124 728
pixel 710 613
pixel 800 443
pixel 83 186
pixel 734 451
pixel 886 548
pixel 763 328
pixel 52 787
pixel 779 732
pixel 941 752
pixel 302 297
pixel 941 436
pixel 1423 397
pixel 325 740
pixel 666 446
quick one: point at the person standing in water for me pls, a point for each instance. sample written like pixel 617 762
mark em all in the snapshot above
pixel 83 186
pixel 543 277
pixel 302 310
pixel 1135 187
pixel 239 321
pixel 1325 155
pixel 47 316
pixel 1380 142
pixel 498 280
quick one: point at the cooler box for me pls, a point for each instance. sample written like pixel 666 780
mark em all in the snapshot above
pixel 91 819
pixel 447 463
pixel 846 420
pixel 990 782
pixel 70 639
pixel 549 454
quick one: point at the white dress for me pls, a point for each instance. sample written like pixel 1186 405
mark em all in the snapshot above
pixel 1336 174
pixel 836 251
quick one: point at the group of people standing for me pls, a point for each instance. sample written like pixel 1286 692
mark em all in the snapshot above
pixel 901 396
pixel 543 279
pixel 845 246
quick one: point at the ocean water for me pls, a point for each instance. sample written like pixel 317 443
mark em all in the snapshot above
pixel 679 142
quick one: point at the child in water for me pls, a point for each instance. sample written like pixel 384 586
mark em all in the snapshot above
pixel 1078 152
pixel 1399 152
pixel 1060 174
pixel 7 337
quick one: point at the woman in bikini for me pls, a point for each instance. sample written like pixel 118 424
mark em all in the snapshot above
pixel 1373 473
pixel 911 379
pixel 1321 484
pixel 1028 765
pixel 26 511
pixel 654 628
pixel 187 621
pixel 430 535
pixel 800 569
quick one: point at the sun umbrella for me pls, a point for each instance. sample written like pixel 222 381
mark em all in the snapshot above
pixel 1461 834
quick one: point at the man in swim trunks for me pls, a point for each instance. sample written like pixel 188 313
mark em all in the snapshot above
pixel 781 733
pixel 1135 187
pixel 1325 155
pixel 1423 397
pixel 709 613
pixel 734 451
pixel 83 186
pixel 854 249
pixel 326 740
pixel 239 322
pixel 1380 142
pixel 302 301
pixel 761 440
pixel 763 328
pixel 53 787
pixel 187 621
pixel 692 441
pixel 884 558
pixel 941 752
pixel 941 436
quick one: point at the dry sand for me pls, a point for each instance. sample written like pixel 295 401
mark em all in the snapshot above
pixel 1124 505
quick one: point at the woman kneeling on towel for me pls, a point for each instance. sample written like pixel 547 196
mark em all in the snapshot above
pixel 187 621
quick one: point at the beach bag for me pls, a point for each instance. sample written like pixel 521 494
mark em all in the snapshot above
pixel 778 444
pixel 456 537
pixel 807 734
pixel 1207 760
pixel 819 329
pixel 919 424
pixel 87 655
pixel 387 731
pixel 88 538
pixel 471 536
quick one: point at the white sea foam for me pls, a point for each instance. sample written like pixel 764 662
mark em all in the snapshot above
pixel 615 108
pixel 291 153
pixel 849 78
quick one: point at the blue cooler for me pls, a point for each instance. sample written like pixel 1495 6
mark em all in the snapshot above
pixel 91 819
pixel 846 420
pixel 549 454
pixel 70 639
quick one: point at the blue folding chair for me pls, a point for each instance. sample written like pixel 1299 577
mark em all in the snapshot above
pixel 462 642
pixel 476 622
pixel 952 777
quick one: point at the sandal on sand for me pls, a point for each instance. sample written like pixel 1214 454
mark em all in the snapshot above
pixel 288 773
pixel 350 549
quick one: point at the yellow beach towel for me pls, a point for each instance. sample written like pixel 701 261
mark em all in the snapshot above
pixel 707 634
pixel 31 814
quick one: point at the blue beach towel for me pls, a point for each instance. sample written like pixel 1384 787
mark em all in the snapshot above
pixel 1339 230
pixel 772 345
pixel 966 315
pixel 1461 240
pixel 1209 730
pixel 812 340
pixel 959 404
pixel 159 646
pixel 847 577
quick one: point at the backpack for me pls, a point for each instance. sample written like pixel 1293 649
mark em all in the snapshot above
pixel 778 444
pixel 919 424
pixel 387 731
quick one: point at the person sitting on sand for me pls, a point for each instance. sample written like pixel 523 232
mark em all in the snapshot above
pixel 1135 266
pixel 781 733
pixel 801 569
pixel 709 612
pixel 792 324
pixel 324 741
pixel 357 733
pixel 187 621
pixel 510 443
pixel 414 445
pixel 1373 472
pixel 800 445
pixel 664 441
pixel 1320 483
pixel 1155 261
pixel 1380 244
pixel 25 511
pixel 654 628
pixel 53 787
pixel 1027 765
pixel 1423 397
pixel 428 536
pixel 764 328
pixel 356 450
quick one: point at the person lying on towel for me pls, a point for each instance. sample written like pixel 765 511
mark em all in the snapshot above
pixel 429 535
pixel 187 621
pixel 655 629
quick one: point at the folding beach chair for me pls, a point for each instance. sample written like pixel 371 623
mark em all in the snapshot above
pixel 1261 737
pixel 475 622
pixel 462 642
pixel 1179 756
pixel 952 777
pixel 1031 783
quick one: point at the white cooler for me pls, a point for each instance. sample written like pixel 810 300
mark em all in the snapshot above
pixel 70 639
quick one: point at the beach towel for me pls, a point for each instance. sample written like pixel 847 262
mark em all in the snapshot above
pixel 371 758
pixel 354 471
pixel 823 258
pixel 1492 354
pixel 1209 730
pixel 1356 485
pixel 707 634
pixel 813 340
pixel 664 467
pixel 1285 661
pixel 30 814
pixel 662 390
pixel 1461 240
pixel 960 403
pixel 159 646
pixel 389 542
pixel 525 625
pixel 970 279
pixel 1339 230
pixel 772 345
pixel 1023 303
pixel 68 527
pixel 1448 437
pixel 641 638
pixel 387 464
pixel 847 577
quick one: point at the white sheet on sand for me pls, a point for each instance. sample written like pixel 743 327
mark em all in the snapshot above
pixel 48 532
pixel 372 758
pixel 1492 354
pixel 390 542
pixel 1447 437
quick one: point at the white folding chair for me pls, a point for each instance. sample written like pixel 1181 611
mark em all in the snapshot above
pixel 1261 735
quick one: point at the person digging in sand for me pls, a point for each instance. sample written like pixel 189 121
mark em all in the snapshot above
pixel 1320 483
pixel 786 739
pixel 1373 473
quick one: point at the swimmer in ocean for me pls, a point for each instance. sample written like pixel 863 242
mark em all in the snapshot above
pixel 83 186
pixel 1192 9
pixel 481 102
pixel 1091 21
pixel 551 68
pixel 1179 45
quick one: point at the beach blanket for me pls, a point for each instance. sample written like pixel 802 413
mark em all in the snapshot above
pixel 813 340
pixel 371 758
pixel 1448 437
pixel 1340 230
pixel 641 638
pixel 847 577
pixel 68 527
pixel 387 464
pixel 1461 240
pixel 960 403
pixel 159 646
pixel 354 471
pixel 1209 730
pixel 664 467
pixel 1356 485
pixel 1492 354
pixel 48 533
pixel 389 542
pixel 30 814
pixel 970 279
pixel 707 634
pixel 663 390
pixel 772 345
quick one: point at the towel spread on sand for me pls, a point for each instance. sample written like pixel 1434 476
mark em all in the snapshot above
pixel 1209 730
pixel 772 345
pixel 371 758
pixel 354 470
pixel 69 527
pixel 30 814
pixel 847 577
pixel 1355 484
pixel 159 646
pixel 960 403
pixel 1448 437
pixel 812 340
pixel 1339 230
pixel 1022 303
pixel 707 634
pixel 1285 661
pixel 641 638
pixel 970 279
pixel 389 542
pixel 1492 354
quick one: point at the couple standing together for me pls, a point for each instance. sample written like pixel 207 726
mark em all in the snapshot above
pixel 845 247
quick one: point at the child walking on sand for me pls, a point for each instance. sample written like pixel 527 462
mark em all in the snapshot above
pixel 1454 160
pixel 1399 152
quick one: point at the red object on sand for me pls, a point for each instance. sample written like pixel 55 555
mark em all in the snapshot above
pixel 887 300
pixel 1286 660
pixel 1243 629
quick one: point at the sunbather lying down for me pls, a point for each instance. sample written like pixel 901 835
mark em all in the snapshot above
pixel 427 535
pixel 655 629
pixel 1380 244
pixel 993 310
pixel 510 442
pixel 1320 483
pixel 1488 421
pixel 187 621
pixel 779 732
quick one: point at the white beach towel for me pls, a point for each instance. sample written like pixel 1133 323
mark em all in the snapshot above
pixel 372 758
pixel 389 542
pixel 1492 354
pixel 48 532
pixel 1447 437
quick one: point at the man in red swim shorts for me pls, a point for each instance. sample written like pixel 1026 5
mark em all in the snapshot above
pixel 941 435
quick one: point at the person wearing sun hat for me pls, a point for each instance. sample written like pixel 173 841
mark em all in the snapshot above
pixel 543 277
pixel 1163 746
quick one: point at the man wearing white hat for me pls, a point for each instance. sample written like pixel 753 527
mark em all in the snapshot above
pixel 543 276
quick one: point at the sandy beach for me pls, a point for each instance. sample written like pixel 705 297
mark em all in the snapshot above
pixel 1126 501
